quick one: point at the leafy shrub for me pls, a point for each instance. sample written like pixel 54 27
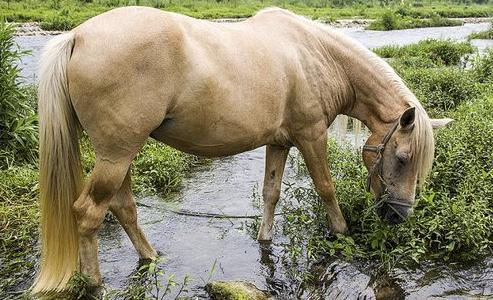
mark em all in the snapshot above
pixel 18 122
pixel 159 168
pixel 483 68
pixel 18 224
pixel 58 22
pixel 394 21
pixel 485 35
pixel 441 88
pixel 388 21
pixel 441 52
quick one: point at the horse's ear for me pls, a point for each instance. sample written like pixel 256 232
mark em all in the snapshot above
pixel 439 123
pixel 407 118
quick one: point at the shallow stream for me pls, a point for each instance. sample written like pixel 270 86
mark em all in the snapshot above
pixel 196 245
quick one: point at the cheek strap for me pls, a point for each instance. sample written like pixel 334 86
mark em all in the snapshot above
pixel 377 166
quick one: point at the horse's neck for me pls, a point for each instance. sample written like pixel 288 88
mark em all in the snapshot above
pixel 380 96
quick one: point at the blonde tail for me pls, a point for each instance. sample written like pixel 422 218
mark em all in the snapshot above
pixel 60 176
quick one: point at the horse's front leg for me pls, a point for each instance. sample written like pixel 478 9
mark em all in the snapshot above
pixel 275 161
pixel 314 154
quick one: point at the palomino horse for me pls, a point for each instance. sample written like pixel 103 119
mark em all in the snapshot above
pixel 209 89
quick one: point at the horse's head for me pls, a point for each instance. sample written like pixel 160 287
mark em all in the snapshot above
pixel 399 161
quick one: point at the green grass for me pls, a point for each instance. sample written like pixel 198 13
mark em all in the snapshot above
pixel 434 71
pixel 18 121
pixel 483 35
pixel 390 21
pixel 434 52
pixel 65 14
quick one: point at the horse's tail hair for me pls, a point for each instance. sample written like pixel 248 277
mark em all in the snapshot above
pixel 60 175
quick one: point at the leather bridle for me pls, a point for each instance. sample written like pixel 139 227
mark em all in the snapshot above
pixel 377 167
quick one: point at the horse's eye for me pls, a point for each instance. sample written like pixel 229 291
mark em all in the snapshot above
pixel 402 160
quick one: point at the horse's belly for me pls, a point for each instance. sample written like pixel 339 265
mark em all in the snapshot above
pixel 210 140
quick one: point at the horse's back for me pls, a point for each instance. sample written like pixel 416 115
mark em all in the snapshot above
pixel 223 88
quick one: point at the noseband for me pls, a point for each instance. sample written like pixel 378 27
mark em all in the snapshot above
pixel 377 168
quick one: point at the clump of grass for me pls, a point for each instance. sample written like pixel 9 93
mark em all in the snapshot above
pixel 483 68
pixel 434 71
pixel 160 169
pixel 58 23
pixel 440 52
pixel 18 224
pixel 393 21
pixel 482 35
pixel 147 282
pixel 150 282
pixel 442 88
pixel 18 121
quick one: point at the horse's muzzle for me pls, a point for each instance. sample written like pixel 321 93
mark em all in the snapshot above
pixel 394 212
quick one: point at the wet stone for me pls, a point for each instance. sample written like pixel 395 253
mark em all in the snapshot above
pixel 342 280
pixel 235 290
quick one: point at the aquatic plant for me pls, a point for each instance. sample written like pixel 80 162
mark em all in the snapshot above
pixel 148 282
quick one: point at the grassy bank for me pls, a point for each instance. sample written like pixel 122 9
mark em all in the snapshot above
pixel 65 14
pixel 157 169
pixel 485 35
pixel 454 213
pixel 393 21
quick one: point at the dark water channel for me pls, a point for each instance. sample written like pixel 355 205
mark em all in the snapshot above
pixel 196 245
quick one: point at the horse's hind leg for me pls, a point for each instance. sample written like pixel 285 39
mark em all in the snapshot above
pixel 275 160
pixel 91 207
pixel 314 154
pixel 124 208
